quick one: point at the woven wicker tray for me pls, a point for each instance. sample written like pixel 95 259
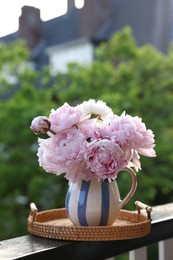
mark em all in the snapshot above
pixel 55 224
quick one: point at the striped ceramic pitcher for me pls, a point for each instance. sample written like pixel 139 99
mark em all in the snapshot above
pixel 96 203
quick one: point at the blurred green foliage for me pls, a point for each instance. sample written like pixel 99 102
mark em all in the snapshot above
pixel 138 80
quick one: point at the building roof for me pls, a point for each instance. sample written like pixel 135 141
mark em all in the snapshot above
pixel 62 29
pixel 150 21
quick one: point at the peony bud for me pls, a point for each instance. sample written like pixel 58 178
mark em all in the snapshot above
pixel 40 125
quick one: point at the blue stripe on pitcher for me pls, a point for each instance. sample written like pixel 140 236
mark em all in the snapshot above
pixel 67 202
pixel 105 204
pixel 82 203
pixel 83 197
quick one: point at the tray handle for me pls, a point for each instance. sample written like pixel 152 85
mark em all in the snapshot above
pixel 139 205
pixel 33 211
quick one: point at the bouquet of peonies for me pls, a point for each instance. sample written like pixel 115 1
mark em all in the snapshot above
pixel 90 140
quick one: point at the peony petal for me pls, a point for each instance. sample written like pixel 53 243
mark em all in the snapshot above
pixel 147 152
pixel 135 160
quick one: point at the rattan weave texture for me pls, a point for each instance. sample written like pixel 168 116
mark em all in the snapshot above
pixel 56 225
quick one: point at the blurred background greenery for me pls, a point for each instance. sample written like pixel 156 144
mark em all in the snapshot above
pixel 138 80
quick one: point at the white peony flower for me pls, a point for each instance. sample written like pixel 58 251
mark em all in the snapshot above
pixel 96 109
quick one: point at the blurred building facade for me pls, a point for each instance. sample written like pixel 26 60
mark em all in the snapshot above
pixel 74 36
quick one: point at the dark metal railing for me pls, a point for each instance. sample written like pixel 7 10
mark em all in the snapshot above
pixel 33 247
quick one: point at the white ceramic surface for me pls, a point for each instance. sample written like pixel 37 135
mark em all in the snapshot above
pixel 96 203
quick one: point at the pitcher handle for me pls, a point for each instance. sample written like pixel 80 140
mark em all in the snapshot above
pixel 133 187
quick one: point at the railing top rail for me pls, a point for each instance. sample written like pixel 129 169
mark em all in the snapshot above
pixel 33 247
pixel 162 213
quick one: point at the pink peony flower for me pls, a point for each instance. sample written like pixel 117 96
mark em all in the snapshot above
pixel 62 153
pixel 90 140
pixel 90 128
pixel 40 125
pixel 64 117
pixel 130 132
pixel 104 158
